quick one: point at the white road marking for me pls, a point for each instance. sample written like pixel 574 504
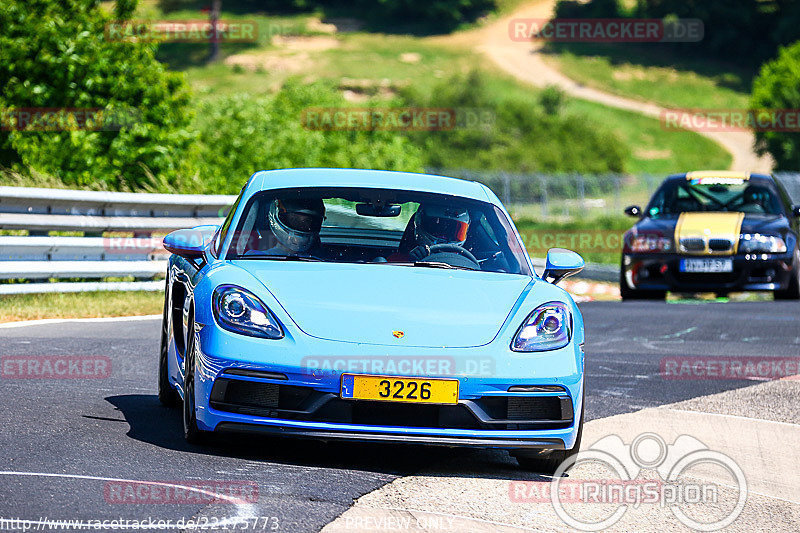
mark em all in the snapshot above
pixel 243 510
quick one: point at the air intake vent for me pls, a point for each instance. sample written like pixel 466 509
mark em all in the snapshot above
pixel 252 393
pixel 693 244
pixel 720 245
pixel 534 408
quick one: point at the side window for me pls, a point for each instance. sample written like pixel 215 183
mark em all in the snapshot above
pixel 223 231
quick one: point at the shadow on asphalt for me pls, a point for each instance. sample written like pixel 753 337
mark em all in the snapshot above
pixel 154 424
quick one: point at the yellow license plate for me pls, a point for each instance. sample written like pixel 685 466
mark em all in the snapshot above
pixel 397 389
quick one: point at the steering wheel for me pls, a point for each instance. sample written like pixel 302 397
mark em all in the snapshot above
pixel 452 248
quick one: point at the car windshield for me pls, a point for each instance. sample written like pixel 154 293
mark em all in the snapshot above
pixel 714 194
pixel 377 226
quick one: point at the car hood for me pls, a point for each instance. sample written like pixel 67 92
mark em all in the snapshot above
pixel 750 223
pixel 369 303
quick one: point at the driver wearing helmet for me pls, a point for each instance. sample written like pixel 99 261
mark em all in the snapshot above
pixel 756 197
pixel 435 225
pixel 296 223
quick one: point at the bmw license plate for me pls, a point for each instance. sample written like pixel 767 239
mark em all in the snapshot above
pixel 397 389
pixel 706 265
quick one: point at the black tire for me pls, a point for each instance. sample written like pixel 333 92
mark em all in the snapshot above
pixel 167 395
pixel 191 432
pixel 792 292
pixel 548 462
pixel 628 293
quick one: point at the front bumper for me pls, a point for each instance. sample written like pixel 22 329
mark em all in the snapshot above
pixel 751 272
pixel 245 396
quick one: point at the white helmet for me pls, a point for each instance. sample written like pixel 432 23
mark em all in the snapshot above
pixel 296 222
pixel 440 225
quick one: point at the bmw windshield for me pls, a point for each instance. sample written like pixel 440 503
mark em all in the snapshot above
pixel 715 194
pixel 379 226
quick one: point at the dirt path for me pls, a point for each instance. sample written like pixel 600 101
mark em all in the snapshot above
pixel 523 61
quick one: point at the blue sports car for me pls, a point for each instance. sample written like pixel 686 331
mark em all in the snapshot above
pixel 373 306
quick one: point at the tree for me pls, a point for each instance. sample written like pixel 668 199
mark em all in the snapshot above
pixel 61 54
pixel 777 87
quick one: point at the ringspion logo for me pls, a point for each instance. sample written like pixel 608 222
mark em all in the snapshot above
pixel 704 489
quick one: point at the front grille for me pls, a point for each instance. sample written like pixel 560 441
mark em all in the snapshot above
pixel 693 244
pixel 720 245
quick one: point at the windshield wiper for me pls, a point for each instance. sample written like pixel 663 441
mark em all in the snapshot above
pixel 280 257
pixel 437 264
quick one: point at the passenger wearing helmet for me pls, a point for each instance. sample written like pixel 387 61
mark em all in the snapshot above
pixel 432 225
pixel 296 223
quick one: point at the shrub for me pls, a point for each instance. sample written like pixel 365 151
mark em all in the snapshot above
pixel 778 87
pixel 54 54
pixel 239 135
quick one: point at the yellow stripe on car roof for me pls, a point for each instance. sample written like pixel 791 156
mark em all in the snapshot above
pixel 730 174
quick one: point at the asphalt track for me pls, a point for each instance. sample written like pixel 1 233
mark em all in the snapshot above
pixel 63 441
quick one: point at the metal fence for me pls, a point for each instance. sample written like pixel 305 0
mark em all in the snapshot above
pixel 87 235
pixel 539 195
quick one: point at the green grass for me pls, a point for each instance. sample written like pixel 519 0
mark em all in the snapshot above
pixel 595 238
pixel 652 74
pixel 80 305
pixel 377 57
pixel 653 150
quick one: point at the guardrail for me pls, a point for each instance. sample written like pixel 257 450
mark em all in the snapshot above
pixel 117 239
pixel 36 257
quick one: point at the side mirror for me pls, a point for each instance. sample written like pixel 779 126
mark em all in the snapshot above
pixel 633 211
pixel 372 210
pixel 190 243
pixel 796 210
pixel 561 263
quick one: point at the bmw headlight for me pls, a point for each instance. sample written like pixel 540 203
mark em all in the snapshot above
pixel 650 243
pixel 240 311
pixel 765 244
pixel 548 327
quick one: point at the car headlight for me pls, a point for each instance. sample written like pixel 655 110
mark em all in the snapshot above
pixel 650 243
pixel 548 327
pixel 767 244
pixel 239 311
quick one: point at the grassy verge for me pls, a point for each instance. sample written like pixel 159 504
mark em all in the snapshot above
pixel 653 75
pixel 79 305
